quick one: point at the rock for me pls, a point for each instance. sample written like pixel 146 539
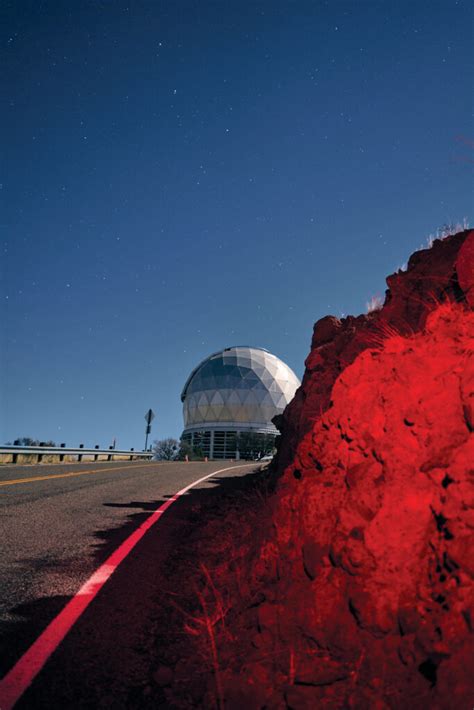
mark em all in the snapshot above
pixel 444 272
pixel 376 471
pixel 361 577
pixel 313 554
pixel 465 268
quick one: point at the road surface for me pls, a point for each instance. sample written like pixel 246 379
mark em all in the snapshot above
pixel 58 525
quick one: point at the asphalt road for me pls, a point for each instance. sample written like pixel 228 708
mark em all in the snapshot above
pixel 55 531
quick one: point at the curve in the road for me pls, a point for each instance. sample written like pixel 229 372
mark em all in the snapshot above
pixel 20 677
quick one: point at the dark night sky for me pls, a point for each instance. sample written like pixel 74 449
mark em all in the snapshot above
pixel 179 177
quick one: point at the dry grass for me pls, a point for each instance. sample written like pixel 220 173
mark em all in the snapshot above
pixel 374 304
pixel 217 583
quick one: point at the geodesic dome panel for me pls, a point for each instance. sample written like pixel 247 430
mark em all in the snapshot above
pixel 239 385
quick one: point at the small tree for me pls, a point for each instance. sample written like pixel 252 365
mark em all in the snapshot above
pixel 166 449
pixel 185 449
pixel 193 453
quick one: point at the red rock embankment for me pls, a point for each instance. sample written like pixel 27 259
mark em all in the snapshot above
pixel 442 272
pixel 356 589
pixel 374 524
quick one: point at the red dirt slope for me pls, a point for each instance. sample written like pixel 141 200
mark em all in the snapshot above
pixel 445 271
pixel 356 589
pixel 374 533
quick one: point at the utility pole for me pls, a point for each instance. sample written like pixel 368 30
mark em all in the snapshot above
pixel 149 416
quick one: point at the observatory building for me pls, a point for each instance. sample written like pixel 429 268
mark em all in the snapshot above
pixel 230 399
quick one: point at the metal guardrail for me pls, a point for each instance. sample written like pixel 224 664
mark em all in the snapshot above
pixel 62 451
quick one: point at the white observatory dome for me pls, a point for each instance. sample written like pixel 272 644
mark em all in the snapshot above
pixel 238 388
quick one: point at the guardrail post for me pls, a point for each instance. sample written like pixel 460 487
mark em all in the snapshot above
pixel 61 456
pixel 96 456
pixel 40 456
pixel 79 456
pixel 110 457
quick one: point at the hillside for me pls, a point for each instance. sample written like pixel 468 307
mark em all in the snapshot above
pixel 345 578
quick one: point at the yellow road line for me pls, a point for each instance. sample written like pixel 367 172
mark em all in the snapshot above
pixel 68 475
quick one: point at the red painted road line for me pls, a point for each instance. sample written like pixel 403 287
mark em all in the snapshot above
pixel 20 677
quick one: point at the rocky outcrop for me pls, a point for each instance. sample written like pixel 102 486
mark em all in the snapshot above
pixel 356 590
pixel 444 271
pixel 375 587
pixel 370 603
